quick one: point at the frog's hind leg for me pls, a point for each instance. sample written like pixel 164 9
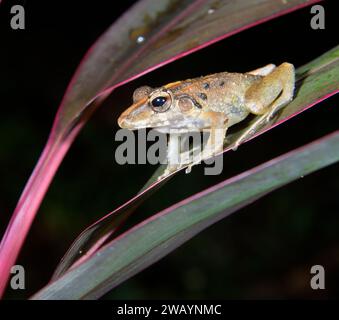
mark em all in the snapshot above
pixel 267 96
pixel 272 92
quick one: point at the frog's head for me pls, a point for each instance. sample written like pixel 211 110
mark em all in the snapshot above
pixel 160 108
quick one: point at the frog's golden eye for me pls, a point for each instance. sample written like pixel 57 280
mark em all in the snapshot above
pixel 160 101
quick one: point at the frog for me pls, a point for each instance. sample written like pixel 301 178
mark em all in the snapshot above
pixel 211 103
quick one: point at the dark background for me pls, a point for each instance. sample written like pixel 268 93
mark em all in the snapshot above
pixel 265 250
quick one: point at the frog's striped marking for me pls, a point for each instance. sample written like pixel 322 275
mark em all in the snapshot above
pixel 172 84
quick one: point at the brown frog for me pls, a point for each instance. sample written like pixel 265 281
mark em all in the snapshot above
pixel 213 103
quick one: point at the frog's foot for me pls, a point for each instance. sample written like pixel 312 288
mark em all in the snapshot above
pixel 249 132
pixel 169 170
pixel 191 157
pixel 207 153
pixel 196 160
pixel 165 174
pixel 276 110
pixel 236 144
pixel 189 167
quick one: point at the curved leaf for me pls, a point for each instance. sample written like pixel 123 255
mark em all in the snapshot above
pixel 155 237
pixel 316 81
pixel 147 36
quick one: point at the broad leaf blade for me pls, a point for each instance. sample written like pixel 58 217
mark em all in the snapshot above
pixel 155 237
pixel 316 81
pixel 169 29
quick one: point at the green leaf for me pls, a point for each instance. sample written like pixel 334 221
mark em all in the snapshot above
pixel 316 81
pixel 147 36
pixel 155 237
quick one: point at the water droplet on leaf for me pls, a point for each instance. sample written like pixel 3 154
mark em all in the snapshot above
pixel 140 39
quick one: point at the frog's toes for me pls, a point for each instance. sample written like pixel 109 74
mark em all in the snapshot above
pixel 161 177
pixel 189 169
pixel 235 146
pixel 270 116
pixel 167 172
pixel 164 175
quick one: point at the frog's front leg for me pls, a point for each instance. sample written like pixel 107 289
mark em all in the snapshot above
pixel 173 154
pixel 267 96
pixel 214 145
pixel 176 159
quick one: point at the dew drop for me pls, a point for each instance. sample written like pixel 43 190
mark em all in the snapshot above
pixel 140 39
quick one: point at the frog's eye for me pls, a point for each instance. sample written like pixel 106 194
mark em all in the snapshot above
pixel 160 101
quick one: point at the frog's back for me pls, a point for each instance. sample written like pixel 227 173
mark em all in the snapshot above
pixel 227 83
pixel 221 92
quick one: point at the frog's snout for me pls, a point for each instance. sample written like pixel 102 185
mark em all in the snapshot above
pixel 122 121
pixel 126 121
pixel 135 116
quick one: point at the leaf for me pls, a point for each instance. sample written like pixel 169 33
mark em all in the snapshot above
pixel 316 81
pixel 160 234
pixel 149 35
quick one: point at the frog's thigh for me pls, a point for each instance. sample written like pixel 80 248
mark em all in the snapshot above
pixel 267 96
pixel 263 71
pixel 272 91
